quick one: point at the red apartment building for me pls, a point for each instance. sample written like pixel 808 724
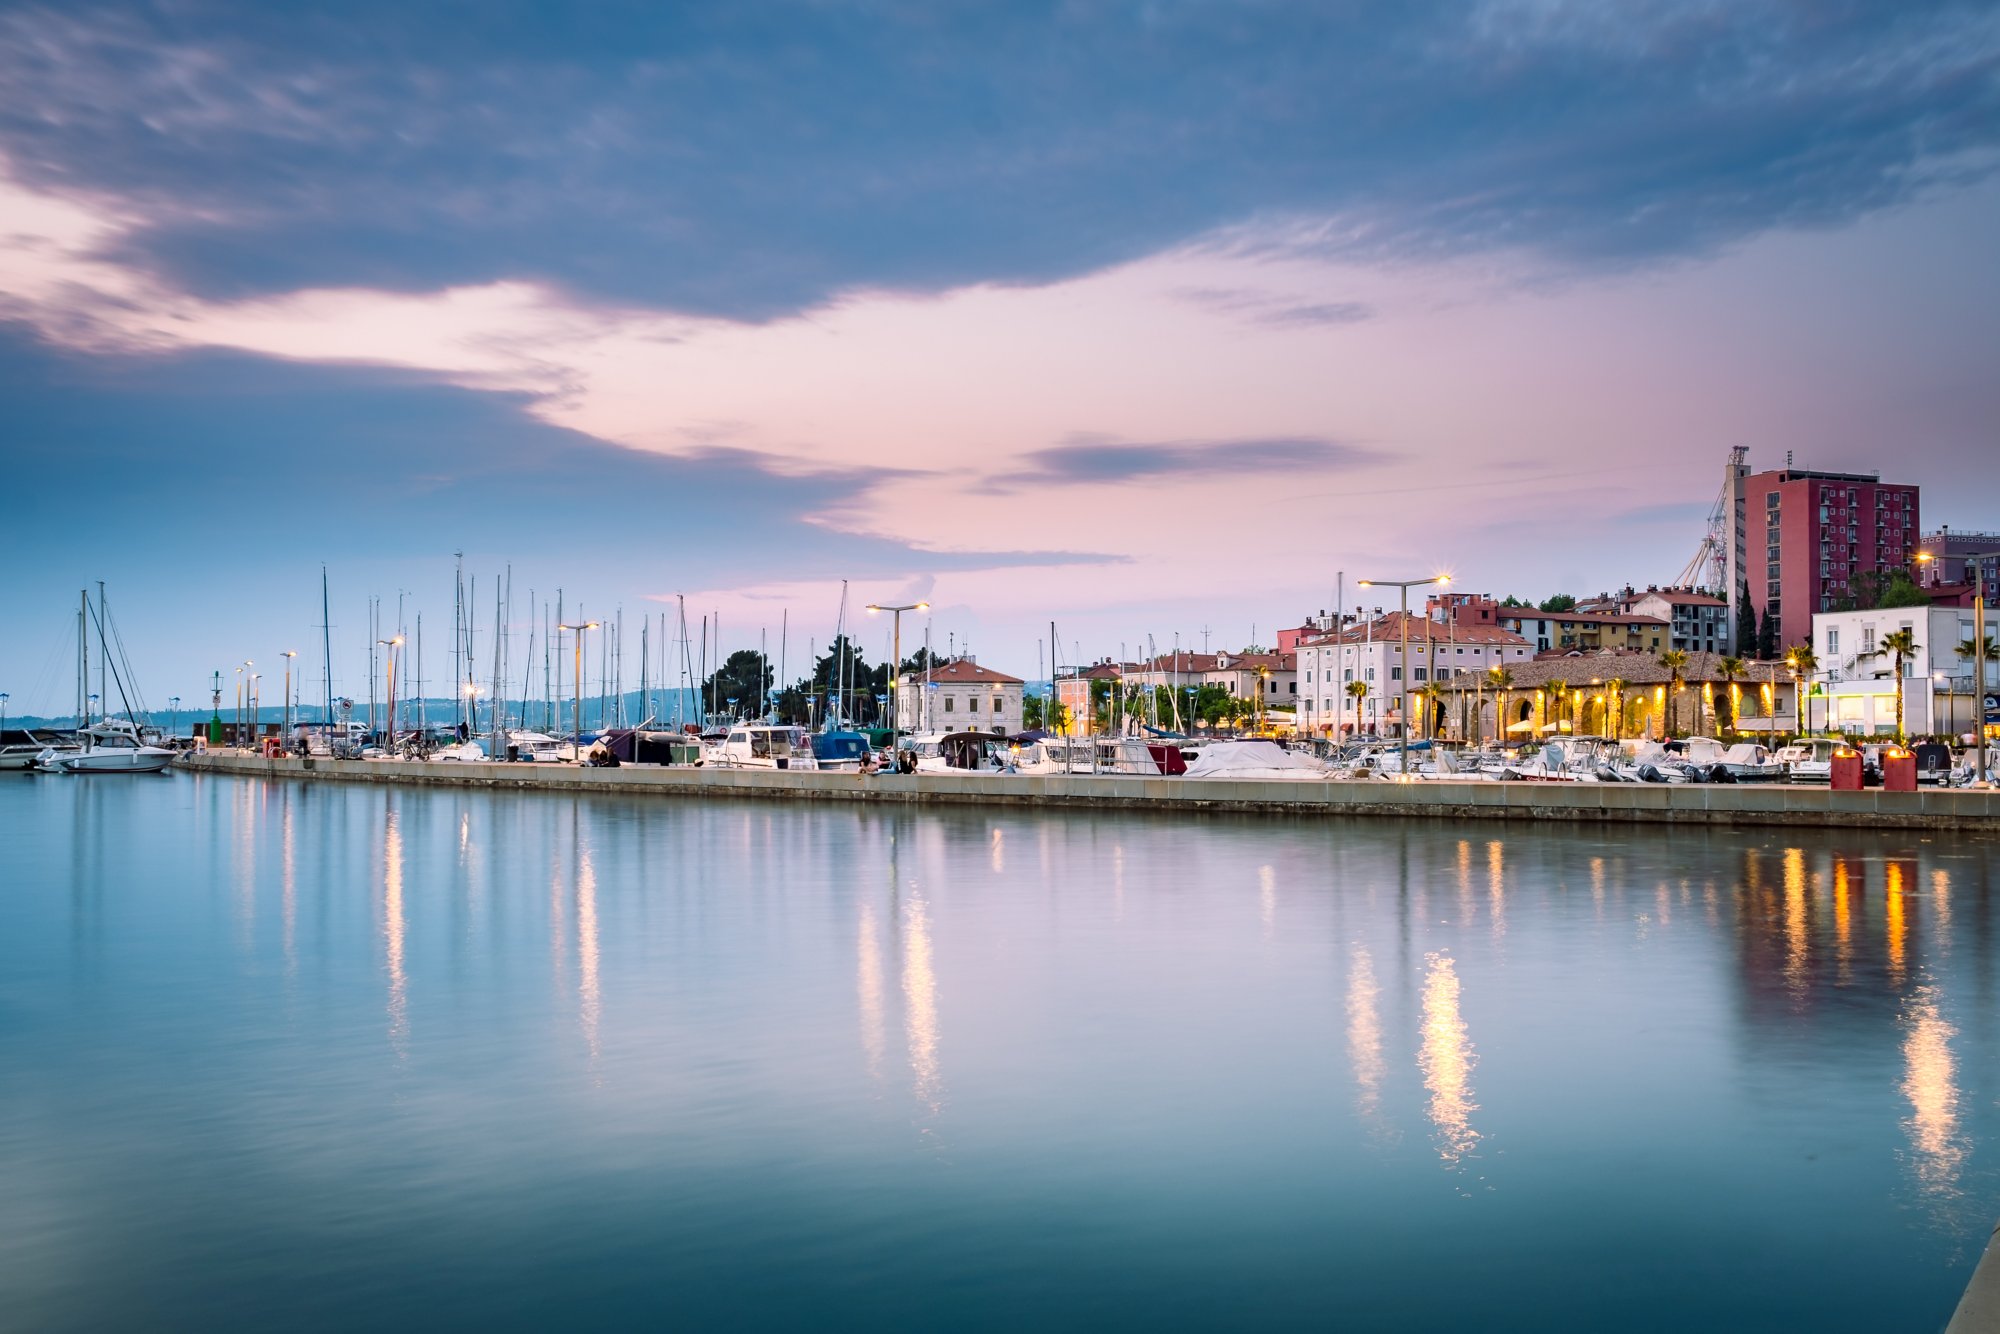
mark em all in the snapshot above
pixel 1819 531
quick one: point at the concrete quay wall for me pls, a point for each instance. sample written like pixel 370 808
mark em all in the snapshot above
pixel 1724 804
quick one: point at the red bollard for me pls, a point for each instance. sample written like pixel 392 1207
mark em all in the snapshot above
pixel 1846 775
pixel 1899 770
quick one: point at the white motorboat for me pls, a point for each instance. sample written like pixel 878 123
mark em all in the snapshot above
pixel 113 746
pixel 1810 759
pixel 1748 762
pixel 764 746
pixel 19 747
pixel 540 748
pixel 1256 760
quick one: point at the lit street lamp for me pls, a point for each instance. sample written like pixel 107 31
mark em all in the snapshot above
pixel 256 704
pixel 4 697
pixel 1403 650
pixel 896 670
pixel 1974 561
pixel 576 734
pixel 288 655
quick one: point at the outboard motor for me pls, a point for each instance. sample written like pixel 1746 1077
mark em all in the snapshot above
pixel 1649 773
pixel 1718 774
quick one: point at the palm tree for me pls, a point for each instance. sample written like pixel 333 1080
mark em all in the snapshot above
pixel 1675 660
pixel 1731 668
pixel 1357 691
pixel 1500 679
pixel 1614 690
pixel 1558 692
pixel 1988 651
pixel 1801 662
pixel 1899 646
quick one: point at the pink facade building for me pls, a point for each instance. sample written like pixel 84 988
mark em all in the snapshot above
pixel 1808 535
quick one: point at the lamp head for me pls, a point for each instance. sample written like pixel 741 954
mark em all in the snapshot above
pixel 872 609
pixel 923 606
pixel 289 653
pixel 1364 583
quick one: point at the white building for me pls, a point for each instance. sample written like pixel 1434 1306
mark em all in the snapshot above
pixel 1371 653
pixel 1856 682
pixel 959 696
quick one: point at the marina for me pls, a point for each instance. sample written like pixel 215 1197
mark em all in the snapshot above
pixel 1634 803
pixel 320 1055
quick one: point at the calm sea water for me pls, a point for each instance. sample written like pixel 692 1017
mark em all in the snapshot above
pixel 290 1056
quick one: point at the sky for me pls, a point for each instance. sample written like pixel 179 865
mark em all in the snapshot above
pixel 1151 320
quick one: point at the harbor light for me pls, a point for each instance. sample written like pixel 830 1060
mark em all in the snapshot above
pixel 896 669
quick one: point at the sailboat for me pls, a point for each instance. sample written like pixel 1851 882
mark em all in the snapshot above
pixel 107 745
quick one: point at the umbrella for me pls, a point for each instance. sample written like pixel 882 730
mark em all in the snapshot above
pixel 1525 725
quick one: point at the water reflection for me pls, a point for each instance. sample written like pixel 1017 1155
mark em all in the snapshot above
pixel 1364 1036
pixel 1496 884
pixel 868 983
pixel 920 1001
pixel 1267 897
pixel 392 928
pixel 1796 976
pixel 1930 1085
pixel 1843 920
pixel 1446 1059
pixel 1893 909
pixel 588 998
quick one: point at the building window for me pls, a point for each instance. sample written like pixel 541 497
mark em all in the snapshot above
pixel 948 703
pixel 1395 673
pixel 1422 674
pixel 972 704
pixel 1832 643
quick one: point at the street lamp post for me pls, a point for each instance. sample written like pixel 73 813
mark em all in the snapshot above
pixel 255 701
pixel 288 655
pixel 576 717
pixel 1404 586
pixel 4 697
pixel 1973 561
pixel 895 670
pixel 173 717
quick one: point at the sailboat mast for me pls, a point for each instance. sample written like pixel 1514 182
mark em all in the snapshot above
pixel 326 644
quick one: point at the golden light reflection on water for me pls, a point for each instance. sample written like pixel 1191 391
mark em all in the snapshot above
pixel 1446 1058
pixel 1941 910
pixel 589 999
pixel 1496 884
pixel 1843 921
pixel 1797 944
pixel 1597 885
pixel 1465 879
pixel 920 1002
pixel 999 851
pixel 392 930
pixel 1893 910
pixel 1930 1084
pixel 868 985
pixel 1364 1035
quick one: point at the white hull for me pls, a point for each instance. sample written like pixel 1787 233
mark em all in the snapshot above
pixel 108 760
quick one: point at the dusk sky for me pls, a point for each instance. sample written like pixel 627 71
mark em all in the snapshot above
pixel 1145 318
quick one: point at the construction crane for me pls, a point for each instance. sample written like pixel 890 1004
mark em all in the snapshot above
pixel 1709 567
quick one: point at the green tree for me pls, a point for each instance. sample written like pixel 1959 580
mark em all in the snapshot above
pixel 1977 658
pixel 1731 669
pixel 1899 646
pixel 1767 636
pixel 1557 602
pixel 1357 691
pixel 737 687
pixel 1559 698
pixel 1675 660
pixel 1801 662
pixel 1746 622
pixel 1502 682
pixel 1873 590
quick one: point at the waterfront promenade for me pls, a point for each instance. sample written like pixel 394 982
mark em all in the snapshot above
pixel 1692 804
